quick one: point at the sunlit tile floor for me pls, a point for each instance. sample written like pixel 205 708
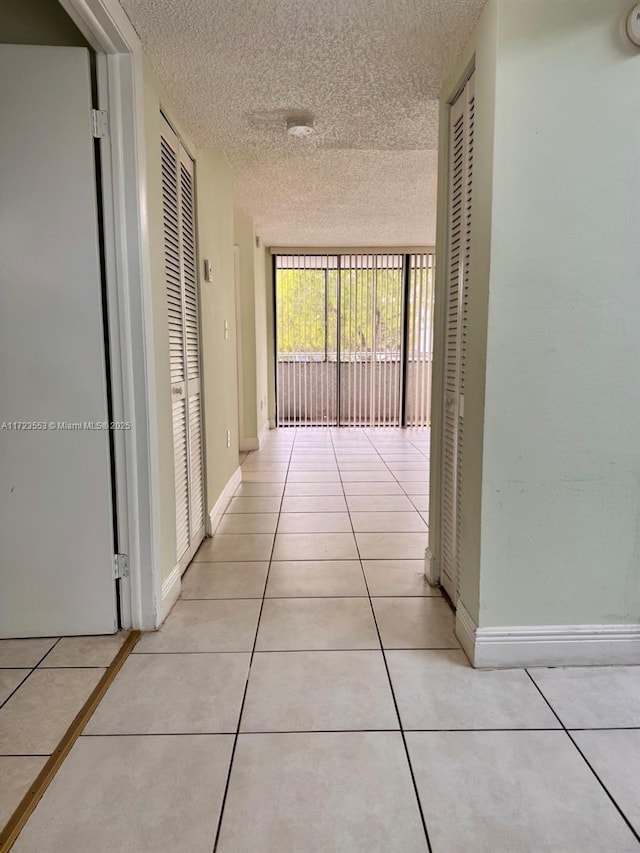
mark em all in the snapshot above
pixel 308 694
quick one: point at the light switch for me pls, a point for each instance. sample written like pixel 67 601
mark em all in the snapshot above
pixel 226 330
pixel 208 270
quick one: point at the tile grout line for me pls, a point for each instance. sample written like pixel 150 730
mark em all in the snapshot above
pixel 281 651
pixel 393 695
pixel 55 760
pixel 29 674
pixel 584 758
pixel 259 732
pixel 246 685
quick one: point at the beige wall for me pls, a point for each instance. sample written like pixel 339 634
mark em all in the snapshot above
pixel 262 349
pixel 244 240
pixel 215 236
pixel 551 474
pixel 214 190
pixel 254 349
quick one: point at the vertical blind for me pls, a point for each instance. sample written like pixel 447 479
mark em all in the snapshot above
pixel 354 339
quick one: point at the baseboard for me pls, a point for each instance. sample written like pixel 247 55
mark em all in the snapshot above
pixel 246 444
pixel 430 568
pixel 215 516
pixel 171 587
pixel 547 645
pixel 264 432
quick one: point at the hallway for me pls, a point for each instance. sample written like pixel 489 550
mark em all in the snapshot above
pixel 361 721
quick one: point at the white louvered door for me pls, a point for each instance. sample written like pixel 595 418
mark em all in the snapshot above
pixel 184 342
pixel 461 134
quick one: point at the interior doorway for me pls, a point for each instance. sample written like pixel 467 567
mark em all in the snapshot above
pixel 354 339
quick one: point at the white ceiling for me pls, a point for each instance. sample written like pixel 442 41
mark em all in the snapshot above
pixel 367 71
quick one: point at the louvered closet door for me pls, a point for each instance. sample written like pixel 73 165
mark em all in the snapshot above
pixel 192 349
pixel 458 269
pixel 184 346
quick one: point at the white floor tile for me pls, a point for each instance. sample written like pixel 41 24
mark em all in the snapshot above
pixel 17 774
pixel 300 624
pixel 256 522
pixel 398 578
pixel 315 546
pixel 415 623
pixel 376 522
pixel 615 757
pixel 349 792
pixel 318 691
pixel 328 503
pixel 314 522
pixel 440 690
pixel 232 547
pixel 35 718
pixel 24 654
pixel 225 580
pixel 392 546
pixel 144 794
pixel 205 626
pixel 85 651
pixel 599 697
pixel 310 578
pixel 174 694
pixel 512 791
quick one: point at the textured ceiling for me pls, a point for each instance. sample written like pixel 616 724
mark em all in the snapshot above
pixel 377 198
pixel 367 71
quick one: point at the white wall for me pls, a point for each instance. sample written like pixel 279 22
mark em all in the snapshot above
pixel 555 423
pixel 561 469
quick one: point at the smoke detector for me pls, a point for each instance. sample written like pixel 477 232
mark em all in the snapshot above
pixel 299 127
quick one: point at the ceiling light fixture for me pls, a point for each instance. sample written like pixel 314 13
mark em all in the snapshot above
pixel 299 127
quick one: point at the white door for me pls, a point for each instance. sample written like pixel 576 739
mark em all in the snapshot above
pixel 56 538
pixel 461 132
pixel 181 281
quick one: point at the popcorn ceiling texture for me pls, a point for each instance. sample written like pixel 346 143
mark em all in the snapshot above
pixel 367 71
pixel 338 198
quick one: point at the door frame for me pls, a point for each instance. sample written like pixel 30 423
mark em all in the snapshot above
pixel 119 63
pixel 404 251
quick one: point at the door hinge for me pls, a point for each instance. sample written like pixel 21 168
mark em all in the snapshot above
pixel 120 566
pixel 99 123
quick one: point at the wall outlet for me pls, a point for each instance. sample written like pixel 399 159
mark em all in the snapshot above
pixel 226 330
pixel 228 438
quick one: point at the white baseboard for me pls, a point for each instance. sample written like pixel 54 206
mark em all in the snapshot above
pixel 215 516
pixel 547 645
pixel 430 568
pixel 171 587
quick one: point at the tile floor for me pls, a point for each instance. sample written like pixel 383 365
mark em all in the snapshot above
pixel 307 693
pixel 43 685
